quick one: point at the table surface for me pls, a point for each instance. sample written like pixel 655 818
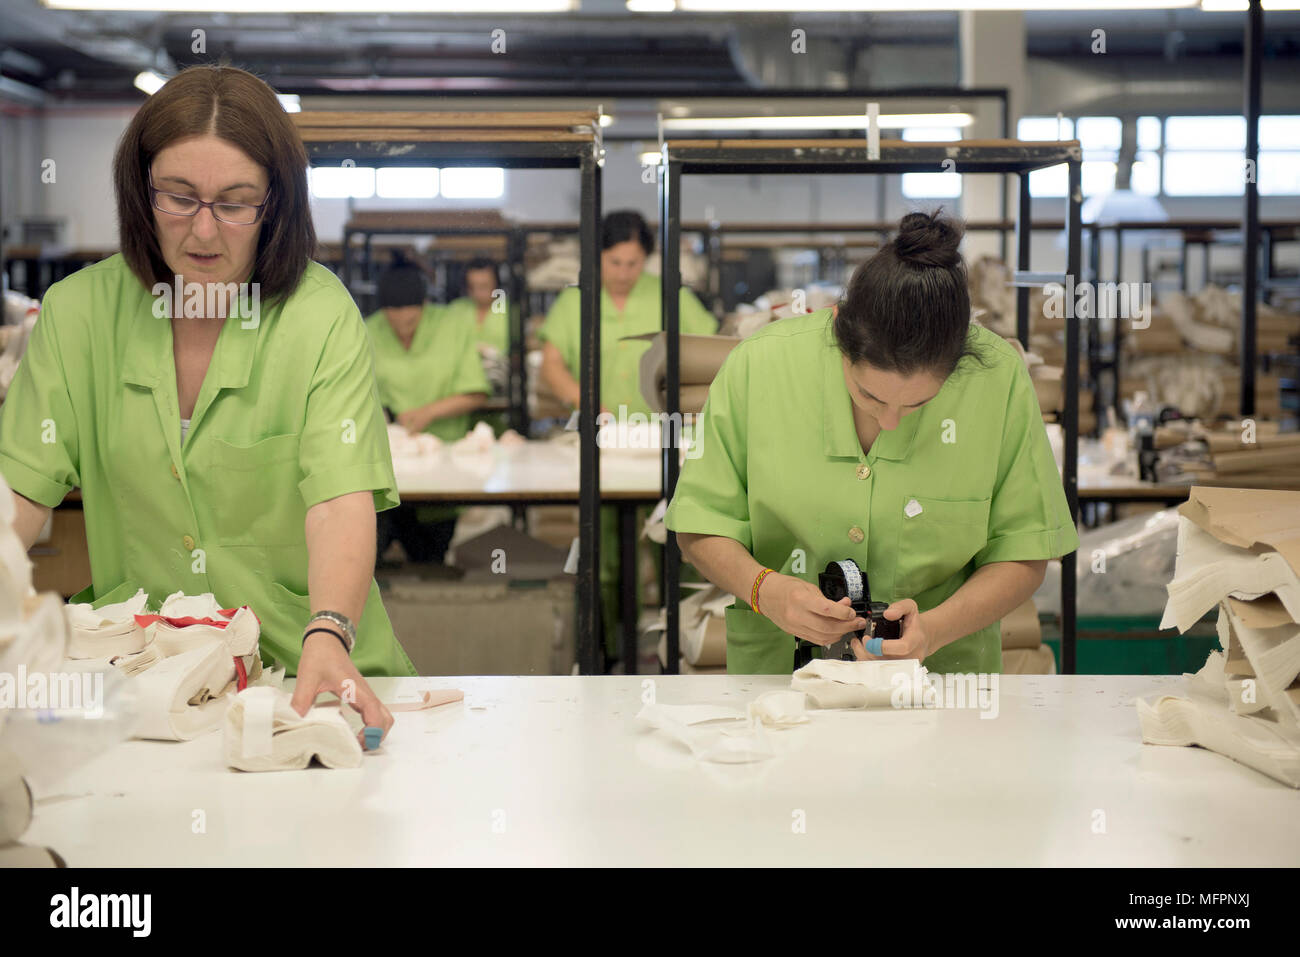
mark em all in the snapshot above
pixel 533 471
pixel 556 770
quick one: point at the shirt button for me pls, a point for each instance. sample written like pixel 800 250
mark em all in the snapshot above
pixel 188 542
pixel 175 474
pixel 855 535
pixel 864 471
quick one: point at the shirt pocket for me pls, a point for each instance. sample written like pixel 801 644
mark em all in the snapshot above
pixel 938 542
pixel 252 493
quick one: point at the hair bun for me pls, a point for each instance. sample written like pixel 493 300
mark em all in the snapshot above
pixel 928 239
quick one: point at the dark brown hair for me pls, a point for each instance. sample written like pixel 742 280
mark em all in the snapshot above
pixel 241 109
pixel 624 224
pixel 907 308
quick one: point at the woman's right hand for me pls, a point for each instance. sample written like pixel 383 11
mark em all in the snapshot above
pixel 799 608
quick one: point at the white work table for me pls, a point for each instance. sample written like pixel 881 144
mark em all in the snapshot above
pixel 535 473
pixel 555 771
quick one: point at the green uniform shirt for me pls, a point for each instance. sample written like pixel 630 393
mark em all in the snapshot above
pixel 620 362
pixel 442 361
pixel 780 471
pixel 493 331
pixel 287 417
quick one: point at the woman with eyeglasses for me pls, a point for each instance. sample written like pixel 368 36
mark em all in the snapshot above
pixel 232 442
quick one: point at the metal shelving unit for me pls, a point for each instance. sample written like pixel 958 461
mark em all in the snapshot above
pixel 804 157
pixel 514 140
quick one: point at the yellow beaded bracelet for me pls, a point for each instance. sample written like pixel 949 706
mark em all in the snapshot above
pixel 753 592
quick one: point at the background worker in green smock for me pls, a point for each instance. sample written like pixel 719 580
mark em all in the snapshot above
pixel 430 378
pixel 484 304
pixel 224 442
pixel 486 307
pixel 891 431
pixel 630 305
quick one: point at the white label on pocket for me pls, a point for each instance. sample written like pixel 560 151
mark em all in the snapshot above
pixel 912 508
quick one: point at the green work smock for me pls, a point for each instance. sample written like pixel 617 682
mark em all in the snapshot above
pixel 620 378
pixel 493 331
pixel 287 416
pixel 781 470
pixel 620 361
pixel 442 361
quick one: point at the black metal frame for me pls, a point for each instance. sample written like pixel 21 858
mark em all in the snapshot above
pixel 517 383
pixel 585 156
pixel 1011 157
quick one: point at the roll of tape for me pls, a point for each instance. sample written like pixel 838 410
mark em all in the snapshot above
pixel 852 578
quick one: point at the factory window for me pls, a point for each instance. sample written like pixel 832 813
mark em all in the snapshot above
pixel 407 182
pixel 1205 156
pixel 469 182
pixel 342 182
pixel 931 185
pixel 1098 135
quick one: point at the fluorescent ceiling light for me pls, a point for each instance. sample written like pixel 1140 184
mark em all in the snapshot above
pixel 858 121
pixel 149 81
pixel 651 6
pixel 910 6
pixel 1239 6
pixel 318 6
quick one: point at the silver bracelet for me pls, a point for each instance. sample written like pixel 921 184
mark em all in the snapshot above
pixel 345 624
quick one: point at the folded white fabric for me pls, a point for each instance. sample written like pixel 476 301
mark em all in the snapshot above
pixel 262 732
pixel 239 634
pixel 108 631
pixel 779 709
pixel 1203 719
pixel 179 696
pixel 1207 570
pixel 403 445
pixel 477 440
pixel 863 684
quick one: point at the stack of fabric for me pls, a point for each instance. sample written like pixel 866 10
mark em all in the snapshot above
pixel 184 659
pixel 1239 550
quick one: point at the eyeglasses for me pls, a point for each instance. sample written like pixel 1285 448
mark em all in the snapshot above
pixel 235 214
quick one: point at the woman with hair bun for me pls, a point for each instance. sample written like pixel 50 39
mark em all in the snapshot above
pixel 889 430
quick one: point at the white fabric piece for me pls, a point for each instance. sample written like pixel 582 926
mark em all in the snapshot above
pixel 1205 721
pixel 15 798
pixel 38 639
pixel 403 445
pixel 780 709
pixel 180 697
pixel 476 441
pixel 89 618
pixel 1207 569
pixel 323 734
pixel 1274 657
pixel 180 605
pixel 239 636
pixel 861 684
pixel 107 631
pixel 737 741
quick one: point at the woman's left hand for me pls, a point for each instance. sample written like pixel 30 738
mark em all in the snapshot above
pixel 326 667
pixel 914 642
pixel 415 420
